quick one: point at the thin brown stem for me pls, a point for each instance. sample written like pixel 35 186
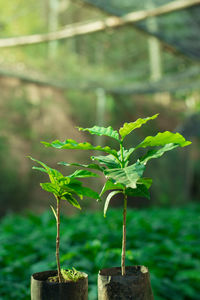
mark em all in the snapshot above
pixel 58 240
pixel 124 238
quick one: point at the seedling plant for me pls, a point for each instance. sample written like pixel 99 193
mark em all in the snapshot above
pixel 121 175
pixel 66 189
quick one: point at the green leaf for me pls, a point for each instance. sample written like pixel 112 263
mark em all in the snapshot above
pixel 129 127
pixel 156 153
pixel 71 144
pixel 90 166
pixel 40 169
pixel 162 139
pixel 97 130
pixel 84 191
pixel 50 187
pixel 145 181
pixel 107 160
pixel 128 176
pixel 113 193
pixel 83 174
pixel 111 185
pixel 54 174
pixel 140 191
pixel 45 167
pixel 71 200
pixel 54 212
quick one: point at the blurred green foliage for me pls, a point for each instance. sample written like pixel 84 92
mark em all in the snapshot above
pixel 165 240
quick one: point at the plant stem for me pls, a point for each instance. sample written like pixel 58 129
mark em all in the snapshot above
pixel 122 154
pixel 124 238
pixel 58 240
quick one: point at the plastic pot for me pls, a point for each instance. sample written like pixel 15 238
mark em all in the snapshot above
pixel 41 289
pixel 135 285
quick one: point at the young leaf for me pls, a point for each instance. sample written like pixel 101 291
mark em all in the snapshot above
pixel 162 139
pixel 40 169
pixel 50 187
pixel 156 153
pixel 83 174
pixel 71 144
pixel 84 191
pixel 128 175
pixel 129 127
pixel 140 191
pixel 97 130
pixel 111 185
pixel 113 193
pixel 71 200
pixel 90 166
pixel 54 174
pixel 45 167
pixel 107 160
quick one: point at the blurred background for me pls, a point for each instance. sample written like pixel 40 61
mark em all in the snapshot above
pixel 68 63
pixel 105 77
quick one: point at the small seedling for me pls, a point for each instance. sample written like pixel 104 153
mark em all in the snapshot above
pixel 121 175
pixel 67 189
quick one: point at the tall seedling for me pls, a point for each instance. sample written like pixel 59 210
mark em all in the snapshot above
pixel 122 176
pixel 64 188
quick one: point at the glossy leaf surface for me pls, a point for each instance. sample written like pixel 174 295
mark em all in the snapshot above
pixel 111 185
pixel 107 160
pixel 128 175
pixel 164 138
pixel 71 144
pixel 156 153
pixel 71 200
pixel 83 174
pixel 129 127
pixel 107 131
pixel 90 166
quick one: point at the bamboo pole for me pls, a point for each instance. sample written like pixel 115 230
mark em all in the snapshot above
pixel 99 25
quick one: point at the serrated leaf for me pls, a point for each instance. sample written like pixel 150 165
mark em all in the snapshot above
pixel 50 187
pixel 109 197
pixel 71 144
pixel 69 198
pixel 164 138
pixel 90 166
pixel 129 127
pixel 107 160
pixel 111 185
pixel 128 176
pixel 83 174
pixel 156 153
pixel 107 131
pixel 140 191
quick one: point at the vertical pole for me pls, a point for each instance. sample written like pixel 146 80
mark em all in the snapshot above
pixel 100 113
pixel 53 26
pixel 155 57
pixel 154 48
